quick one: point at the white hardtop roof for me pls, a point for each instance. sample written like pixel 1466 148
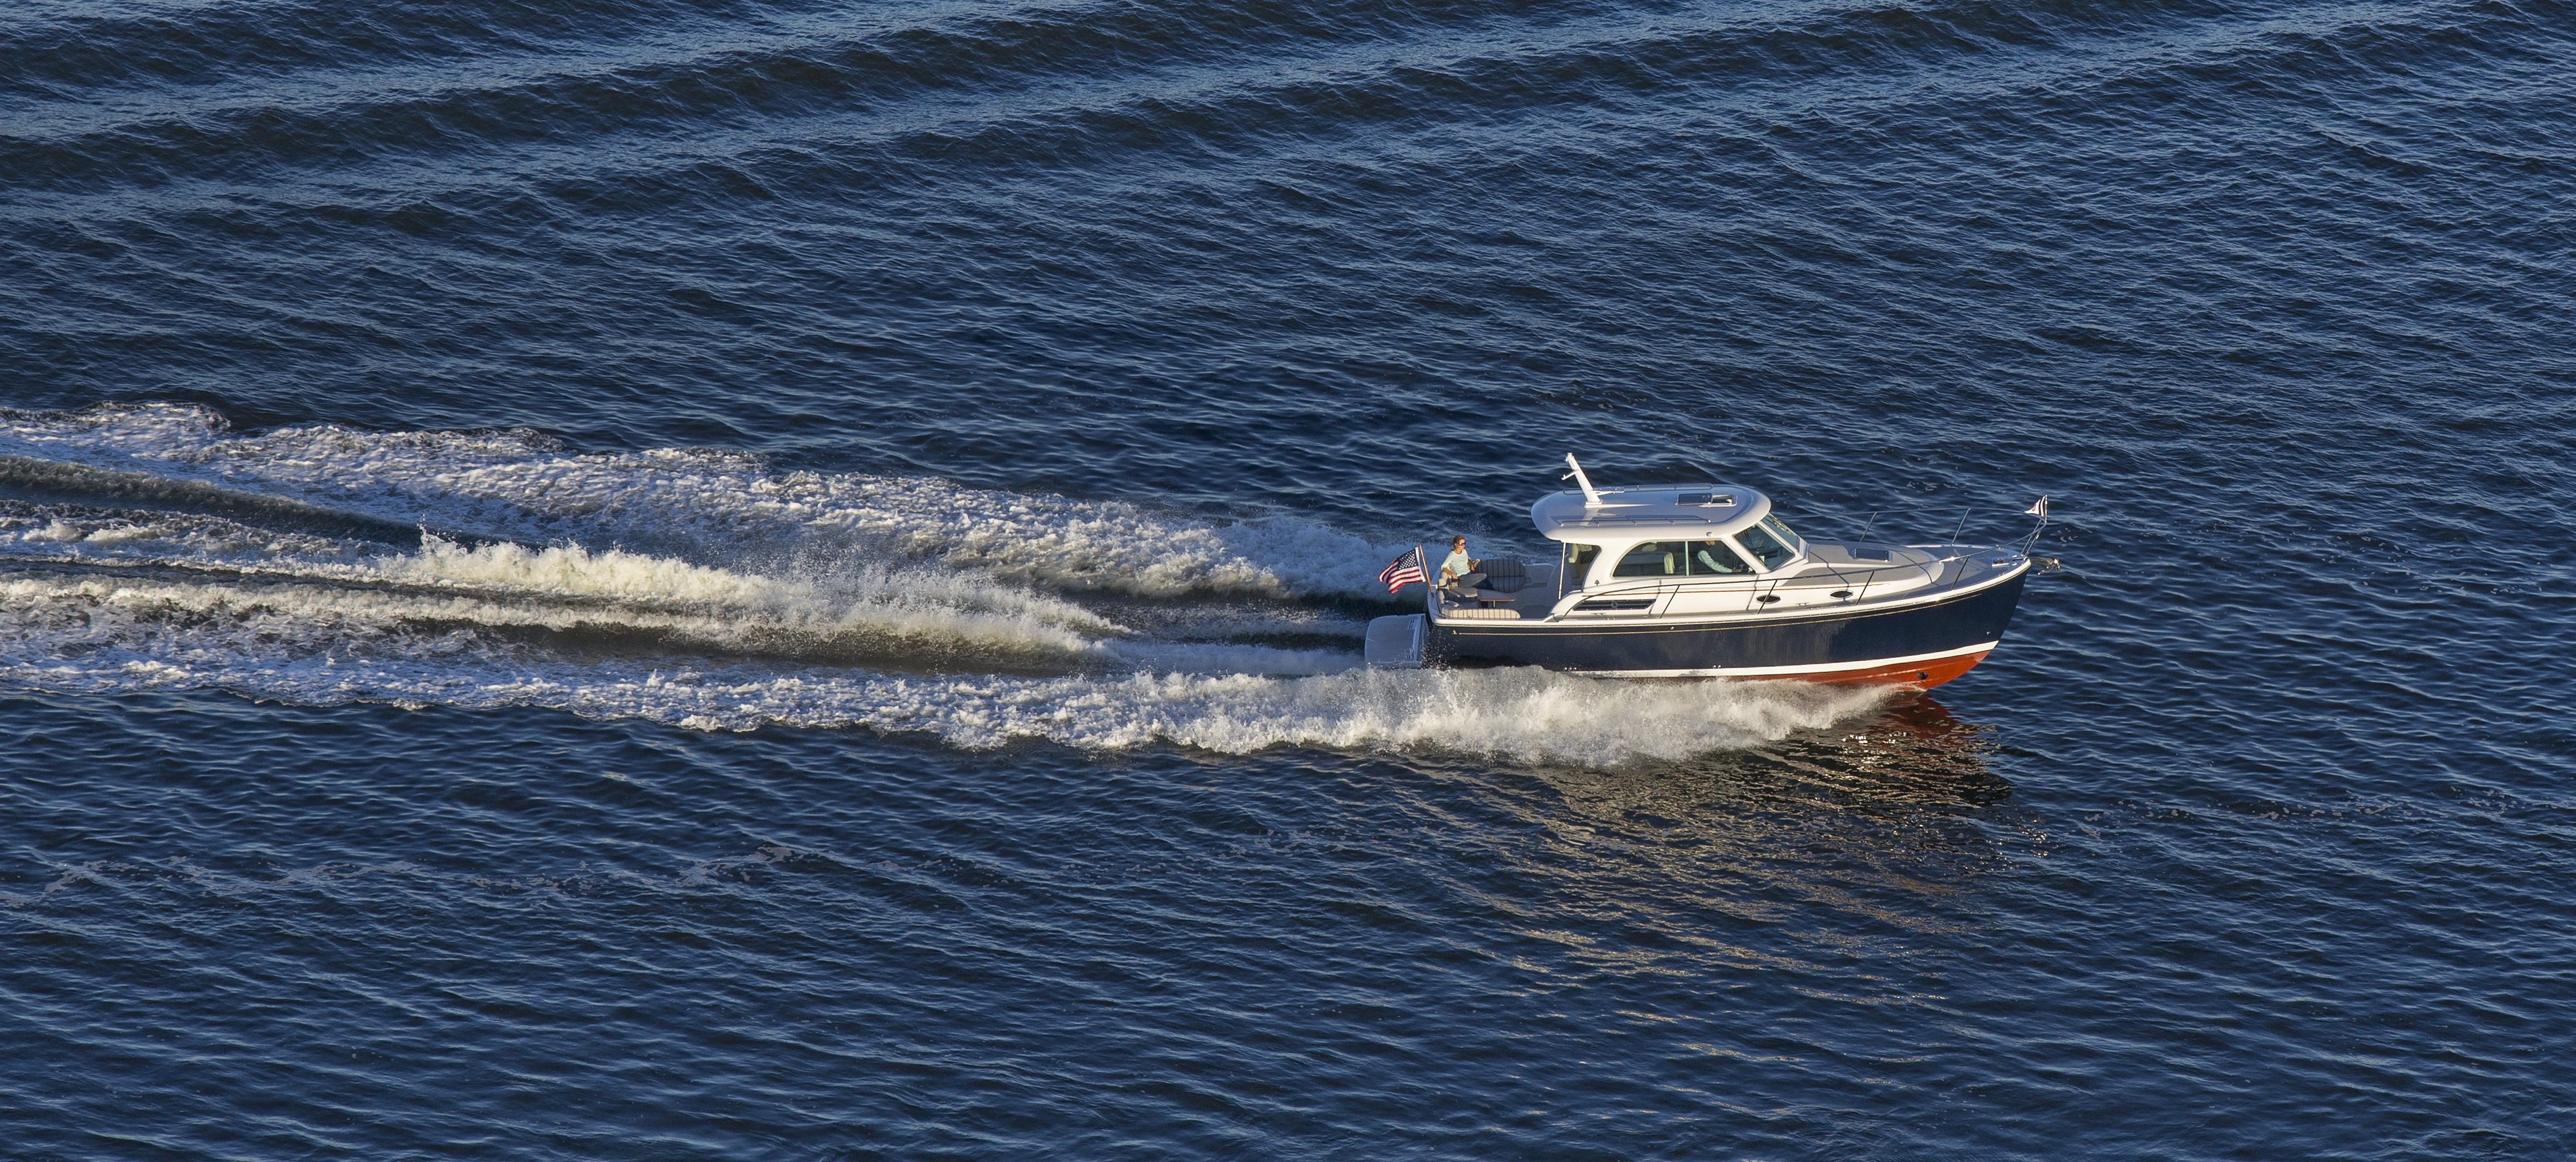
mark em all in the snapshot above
pixel 1689 510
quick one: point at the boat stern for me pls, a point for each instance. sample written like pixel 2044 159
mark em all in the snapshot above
pixel 1396 643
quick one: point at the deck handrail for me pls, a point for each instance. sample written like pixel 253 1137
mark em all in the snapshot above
pixel 1665 586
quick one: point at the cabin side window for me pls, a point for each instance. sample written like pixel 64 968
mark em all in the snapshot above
pixel 1578 565
pixel 1651 559
pixel 1714 559
pixel 1765 548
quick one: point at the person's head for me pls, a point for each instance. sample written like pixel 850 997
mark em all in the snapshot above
pixel 1458 543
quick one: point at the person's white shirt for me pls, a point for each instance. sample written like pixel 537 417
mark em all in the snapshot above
pixel 1455 566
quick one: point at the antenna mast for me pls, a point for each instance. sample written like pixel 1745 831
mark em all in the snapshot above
pixel 1591 496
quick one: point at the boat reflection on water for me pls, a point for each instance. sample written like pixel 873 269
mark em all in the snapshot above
pixel 1917 754
pixel 1914 755
pixel 1861 835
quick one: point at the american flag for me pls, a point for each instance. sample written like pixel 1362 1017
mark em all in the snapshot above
pixel 1406 570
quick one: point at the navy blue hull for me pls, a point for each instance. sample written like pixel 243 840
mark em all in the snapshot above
pixel 1794 641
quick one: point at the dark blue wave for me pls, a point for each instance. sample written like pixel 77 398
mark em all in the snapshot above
pixel 1374 79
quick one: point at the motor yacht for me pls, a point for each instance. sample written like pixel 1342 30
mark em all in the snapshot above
pixel 1707 581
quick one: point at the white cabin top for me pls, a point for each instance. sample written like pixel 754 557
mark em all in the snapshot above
pixel 1626 514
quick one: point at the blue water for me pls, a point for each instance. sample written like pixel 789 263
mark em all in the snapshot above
pixel 634 580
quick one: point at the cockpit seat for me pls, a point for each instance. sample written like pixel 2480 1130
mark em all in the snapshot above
pixel 1503 576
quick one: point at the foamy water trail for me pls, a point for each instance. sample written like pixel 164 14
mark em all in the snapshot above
pixel 58 617
pixel 1513 714
pixel 920 611
pixel 733 598
pixel 523 486
pixel 918 614
pixel 31 532
pixel 576 572
pixel 455 633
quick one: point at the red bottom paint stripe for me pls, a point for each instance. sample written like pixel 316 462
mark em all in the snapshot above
pixel 1920 675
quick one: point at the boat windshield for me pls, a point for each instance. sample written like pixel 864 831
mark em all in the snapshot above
pixel 1796 543
pixel 1766 548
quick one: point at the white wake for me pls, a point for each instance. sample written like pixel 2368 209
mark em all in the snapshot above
pixel 705 591
pixel 524 486
pixel 1512 714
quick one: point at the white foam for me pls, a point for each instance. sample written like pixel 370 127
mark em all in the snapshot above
pixel 695 504
pixel 573 571
pixel 916 604
pixel 1526 715
pixel 714 552
pixel 56 615
pixel 1520 713
pixel 323 644
pixel 178 539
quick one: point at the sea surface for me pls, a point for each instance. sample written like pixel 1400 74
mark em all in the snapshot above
pixel 597 579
